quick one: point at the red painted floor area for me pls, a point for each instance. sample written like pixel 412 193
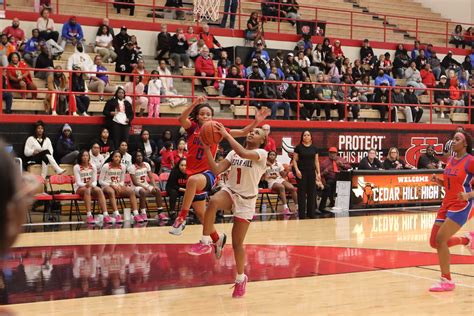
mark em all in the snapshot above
pixel 54 273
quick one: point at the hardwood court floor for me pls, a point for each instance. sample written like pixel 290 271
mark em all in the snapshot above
pixel 364 265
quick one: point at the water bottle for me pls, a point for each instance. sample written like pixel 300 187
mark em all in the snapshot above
pixel 264 208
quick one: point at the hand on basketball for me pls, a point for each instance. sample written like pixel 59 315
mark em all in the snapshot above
pixel 262 114
pixel 222 130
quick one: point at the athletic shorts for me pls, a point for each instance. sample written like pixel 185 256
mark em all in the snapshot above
pixel 271 182
pixel 210 181
pixel 456 214
pixel 138 189
pixel 242 208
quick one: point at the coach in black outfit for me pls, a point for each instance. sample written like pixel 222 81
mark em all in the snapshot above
pixel 308 175
pixel 370 162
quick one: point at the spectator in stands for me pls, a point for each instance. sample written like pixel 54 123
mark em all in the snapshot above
pixel 357 71
pixel 56 101
pixel 291 93
pixel 469 37
pixel 467 64
pixel 125 4
pixel 230 6
pixel 166 136
pixel 141 70
pixel 148 147
pixel 271 145
pixel 381 96
pixel 135 90
pixel 400 63
pixel 106 22
pixel 121 39
pixel 46 26
pixel 44 61
pixel 6 49
pixel 176 184
pixel 271 91
pixel 427 76
pixel 249 69
pixel 457 37
pixel 18 77
pixel 71 32
pixel 15 31
pixel 365 89
pixel 164 43
pixel 81 100
pixel 330 167
pixel 271 9
pixel 421 60
pixel 180 152
pixel 80 59
pixel 428 51
pixel 118 114
pixel 155 90
pixel 177 14
pixel 435 65
pixel 307 172
pixel 103 44
pixel 337 50
pixel 167 158
pixel 178 51
pixel 195 49
pixel 416 50
pixel 394 162
pixel 98 80
pixel 412 99
pixel 204 67
pixel 210 40
pixel 191 37
pixel 39 150
pixel 106 144
pixel 127 59
pixel 442 94
pixel 325 94
pixel 291 8
pixel 7 97
pixel 304 62
pixel 455 95
pixel 413 77
pixel 401 50
pixel 367 53
pixel 294 68
pixel 238 63
pixel 398 99
pixel 66 149
pixel 234 88
pixel 428 160
pixel 254 27
pixel 318 57
pixel 255 87
pixel 384 77
pixel 308 93
pixel 126 157
pixel 449 62
pixel 169 89
pixel 370 162
pixel 32 48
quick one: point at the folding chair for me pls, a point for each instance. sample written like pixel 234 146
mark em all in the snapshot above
pixel 43 198
pixel 67 181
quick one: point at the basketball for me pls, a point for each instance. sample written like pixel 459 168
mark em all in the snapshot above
pixel 210 134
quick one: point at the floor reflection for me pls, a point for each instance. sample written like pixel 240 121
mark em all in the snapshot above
pixel 54 273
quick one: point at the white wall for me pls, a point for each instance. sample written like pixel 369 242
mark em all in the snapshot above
pixel 456 10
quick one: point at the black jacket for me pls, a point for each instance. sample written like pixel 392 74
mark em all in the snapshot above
pixel 105 147
pixel 364 164
pixel 380 96
pixel 164 42
pixel 231 88
pixel 176 180
pixel 63 147
pixel 179 46
pixel 442 94
pixel 154 148
pixel 78 84
pixel 112 105
pixel 125 58
pixel 120 41
pixel 43 61
pixel 411 98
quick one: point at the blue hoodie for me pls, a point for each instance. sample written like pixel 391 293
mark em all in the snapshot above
pixel 69 31
pixel 30 45
pixel 378 80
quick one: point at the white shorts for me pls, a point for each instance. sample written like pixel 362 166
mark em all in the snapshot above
pixel 138 189
pixel 242 208
pixel 271 182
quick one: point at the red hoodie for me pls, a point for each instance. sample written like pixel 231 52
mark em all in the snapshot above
pixel 428 78
pixel 204 65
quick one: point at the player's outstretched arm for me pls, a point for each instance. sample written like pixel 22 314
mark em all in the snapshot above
pixel 184 117
pixel 260 116
pixel 216 168
pixel 239 149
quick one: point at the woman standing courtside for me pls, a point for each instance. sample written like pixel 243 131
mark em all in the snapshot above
pixel 306 167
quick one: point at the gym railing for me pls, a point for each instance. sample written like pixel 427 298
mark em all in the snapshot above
pixel 248 101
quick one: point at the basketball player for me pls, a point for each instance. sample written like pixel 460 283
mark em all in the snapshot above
pixel 85 184
pixel 143 187
pixel 112 181
pixel 200 179
pixel 246 166
pixel 456 209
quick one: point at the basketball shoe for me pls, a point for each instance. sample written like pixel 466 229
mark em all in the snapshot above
pixel 90 220
pixel 118 219
pixel 219 245
pixel 200 249
pixel 108 220
pixel 178 226
pixel 239 288
pixel 138 218
pixel 444 285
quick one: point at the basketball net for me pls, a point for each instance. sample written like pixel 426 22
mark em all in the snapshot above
pixel 206 10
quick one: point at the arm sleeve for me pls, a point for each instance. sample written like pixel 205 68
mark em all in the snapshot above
pixel 64 31
pixel 77 176
pixel 229 156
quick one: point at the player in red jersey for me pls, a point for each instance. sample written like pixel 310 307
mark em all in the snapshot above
pixel 200 179
pixel 456 209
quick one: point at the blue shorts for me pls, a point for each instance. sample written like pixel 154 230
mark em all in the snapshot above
pixel 459 216
pixel 210 181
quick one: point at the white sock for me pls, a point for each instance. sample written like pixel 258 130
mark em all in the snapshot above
pixel 89 213
pixel 143 210
pixel 240 278
pixel 285 205
pixel 160 208
pixel 106 213
pixel 135 212
pixel 207 240
pixel 116 213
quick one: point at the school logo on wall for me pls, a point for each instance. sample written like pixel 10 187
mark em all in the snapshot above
pixel 418 147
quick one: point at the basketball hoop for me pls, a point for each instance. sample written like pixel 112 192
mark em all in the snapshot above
pixel 206 10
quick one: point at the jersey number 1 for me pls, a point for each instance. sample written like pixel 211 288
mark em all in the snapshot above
pixel 239 175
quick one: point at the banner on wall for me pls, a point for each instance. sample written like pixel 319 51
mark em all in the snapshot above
pixel 395 188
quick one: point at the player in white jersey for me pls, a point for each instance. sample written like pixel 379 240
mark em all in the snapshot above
pixel 275 178
pixel 144 185
pixel 246 167
pixel 112 181
pixel 85 184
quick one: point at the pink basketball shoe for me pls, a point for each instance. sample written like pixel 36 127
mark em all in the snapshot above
pixel 239 288
pixel 444 285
